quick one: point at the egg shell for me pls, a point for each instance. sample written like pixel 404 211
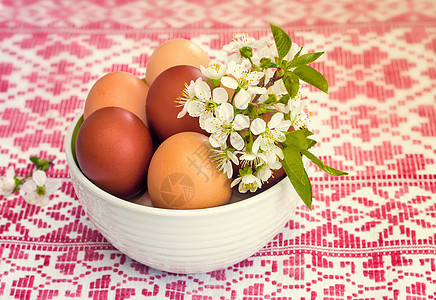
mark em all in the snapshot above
pixel 119 89
pixel 182 176
pixel 114 149
pixel 173 53
pixel 161 106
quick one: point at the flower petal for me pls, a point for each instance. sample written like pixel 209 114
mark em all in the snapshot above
pixel 256 145
pixel 228 169
pixel 52 185
pixel 258 126
pixel 229 82
pixel 249 178
pixel 31 198
pixel 237 141
pixel 257 90
pixel 204 71
pixel 195 108
pixel 217 139
pixel 39 177
pixel 275 120
pixel 212 125
pixel 278 135
pixel 236 181
pixel 259 44
pixel 284 125
pixel 241 122
pixel 242 99
pixel 233 157
pixel 182 113
pixel 220 95
pixel 225 112
pixel 10 172
pixel 279 152
pixel 202 90
pixel 264 174
pixel 29 186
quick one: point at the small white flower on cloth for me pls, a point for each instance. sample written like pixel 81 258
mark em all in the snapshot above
pixel 7 183
pixel 37 191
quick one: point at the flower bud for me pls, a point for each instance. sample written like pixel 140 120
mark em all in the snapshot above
pixel 279 74
pixel 246 52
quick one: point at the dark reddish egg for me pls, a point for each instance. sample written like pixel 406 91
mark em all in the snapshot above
pixel 114 149
pixel 161 105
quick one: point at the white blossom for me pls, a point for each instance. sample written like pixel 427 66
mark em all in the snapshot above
pixel 239 41
pixel 242 76
pixel 247 182
pixel 271 52
pixel 242 98
pixel 253 159
pixel 187 96
pixel 225 124
pixel 298 115
pixel 203 105
pixel 37 190
pixel 269 133
pixel 214 70
pixel 7 182
pixel 224 158
pixel 272 162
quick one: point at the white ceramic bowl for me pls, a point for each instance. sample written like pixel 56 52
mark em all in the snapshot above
pixel 184 241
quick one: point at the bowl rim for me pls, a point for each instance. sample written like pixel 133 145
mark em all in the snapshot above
pixel 76 172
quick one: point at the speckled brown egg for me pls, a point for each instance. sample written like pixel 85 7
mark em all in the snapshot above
pixel 182 176
pixel 161 105
pixel 113 149
pixel 120 89
pixel 173 53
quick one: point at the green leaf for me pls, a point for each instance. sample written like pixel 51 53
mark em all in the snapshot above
pixel 294 168
pixel 292 83
pixel 297 139
pixel 252 112
pixel 35 160
pixel 284 99
pixel 41 164
pixel 74 137
pixel 272 98
pixel 272 65
pixel 304 59
pixel 310 143
pixel 298 53
pixel 312 76
pixel 322 166
pixel 282 40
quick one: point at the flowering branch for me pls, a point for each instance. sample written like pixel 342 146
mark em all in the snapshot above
pixel 37 189
pixel 255 113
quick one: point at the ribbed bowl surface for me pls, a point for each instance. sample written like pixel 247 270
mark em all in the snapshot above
pixel 184 241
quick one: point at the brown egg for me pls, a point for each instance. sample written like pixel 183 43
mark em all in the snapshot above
pixel 161 107
pixel 113 149
pixel 182 176
pixel 173 53
pixel 120 89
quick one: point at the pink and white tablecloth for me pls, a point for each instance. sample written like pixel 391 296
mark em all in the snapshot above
pixel 371 235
